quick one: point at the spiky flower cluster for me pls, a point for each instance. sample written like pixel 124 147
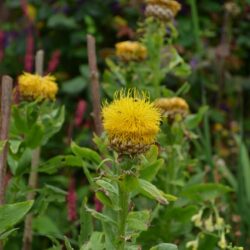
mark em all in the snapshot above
pixel 164 10
pixel 171 107
pixel 131 122
pixel 33 86
pixel 131 51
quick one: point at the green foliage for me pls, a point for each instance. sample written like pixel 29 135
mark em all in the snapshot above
pixel 10 215
pixel 164 246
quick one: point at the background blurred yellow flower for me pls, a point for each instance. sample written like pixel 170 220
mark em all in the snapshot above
pixel 31 12
pixel 170 107
pixel 32 86
pixel 131 51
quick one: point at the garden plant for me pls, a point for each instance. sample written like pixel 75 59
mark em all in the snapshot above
pixel 127 129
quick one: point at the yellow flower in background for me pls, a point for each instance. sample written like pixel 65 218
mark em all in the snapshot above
pixel 172 107
pixel 162 9
pixel 31 12
pixel 131 122
pixel 131 51
pixel 120 21
pixel 33 86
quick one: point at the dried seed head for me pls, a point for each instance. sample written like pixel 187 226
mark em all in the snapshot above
pixel 164 10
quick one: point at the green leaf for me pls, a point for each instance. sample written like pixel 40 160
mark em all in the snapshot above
pixel 138 221
pixel 86 153
pixel 61 21
pixel 14 145
pixel 107 186
pixel 208 241
pixel 245 166
pixel 11 214
pixel 192 121
pixel 7 233
pixel 24 162
pixel 20 121
pixel 103 198
pixel 130 182
pixel 111 193
pixel 45 225
pixel 86 224
pixel 205 191
pixel 150 170
pixel 152 153
pixel 164 246
pixel 35 136
pixel 151 191
pixel 52 119
pixel 225 172
pixel 67 244
pixel 101 217
pixel 51 166
pixel 95 242
pixel 74 86
pixel 184 89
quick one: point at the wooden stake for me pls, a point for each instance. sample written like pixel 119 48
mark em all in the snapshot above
pixel 6 89
pixel 95 86
pixel 6 94
pixel 33 178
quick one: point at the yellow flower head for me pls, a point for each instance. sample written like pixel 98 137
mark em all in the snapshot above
pixel 131 122
pixel 162 9
pixel 171 107
pixel 131 51
pixel 33 86
pixel 31 12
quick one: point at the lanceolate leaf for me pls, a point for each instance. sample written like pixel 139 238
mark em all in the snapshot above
pixel 165 246
pixel 86 153
pixel 152 192
pixel 205 191
pixel 99 216
pixel 11 214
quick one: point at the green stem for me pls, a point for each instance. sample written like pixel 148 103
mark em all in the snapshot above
pixel 122 216
pixel 196 24
pixel 88 175
pixel 207 136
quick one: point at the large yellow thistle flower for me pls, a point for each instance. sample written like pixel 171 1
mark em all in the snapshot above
pixel 171 107
pixel 162 9
pixel 33 86
pixel 131 51
pixel 131 122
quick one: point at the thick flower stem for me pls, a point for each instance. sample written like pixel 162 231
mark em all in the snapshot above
pixel 122 216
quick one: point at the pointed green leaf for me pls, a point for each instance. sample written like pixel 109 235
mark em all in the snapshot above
pixel 11 214
pixel 164 246
pixel 150 170
pixel 151 191
pixel 86 153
